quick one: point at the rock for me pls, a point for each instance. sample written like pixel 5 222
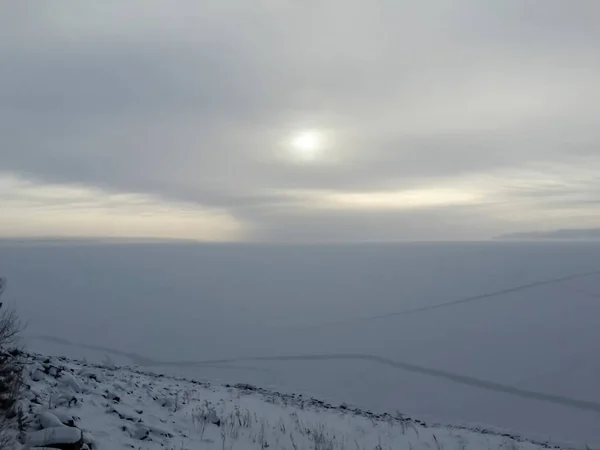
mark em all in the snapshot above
pixel 69 381
pixel 65 399
pixel 160 431
pixel 212 417
pixel 92 374
pixel 112 396
pixel 88 439
pixel 37 375
pixel 30 395
pixel 167 402
pixel 245 387
pixel 49 420
pixel 65 418
pixel 14 351
pixel 119 387
pixel 63 438
pixel 40 448
pixel 140 432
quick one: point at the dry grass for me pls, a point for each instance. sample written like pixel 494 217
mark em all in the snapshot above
pixel 11 370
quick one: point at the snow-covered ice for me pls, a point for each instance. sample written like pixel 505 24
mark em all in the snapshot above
pixel 523 361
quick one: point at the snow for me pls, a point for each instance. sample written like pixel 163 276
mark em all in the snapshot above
pixel 38 375
pixel 212 312
pixel 53 436
pixel 202 416
pixel 89 373
pixel 49 420
pixel 70 383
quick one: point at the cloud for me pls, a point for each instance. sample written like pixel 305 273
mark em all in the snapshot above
pixel 191 103
pixel 467 207
pixel 409 199
pixel 31 209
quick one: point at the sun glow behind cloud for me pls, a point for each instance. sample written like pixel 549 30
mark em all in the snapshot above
pixel 511 195
pixel 406 199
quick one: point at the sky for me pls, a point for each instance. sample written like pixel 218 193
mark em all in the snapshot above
pixel 288 121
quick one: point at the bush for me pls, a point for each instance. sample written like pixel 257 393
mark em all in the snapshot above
pixel 11 370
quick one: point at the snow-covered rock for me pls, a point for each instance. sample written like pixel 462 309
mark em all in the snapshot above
pixel 124 412
pixel 29 394
pixel 49 420
pixel 43 448
pixel 65 417
pixel 92 374
pixel 37 375
pixel 65 438
pixel 69 381
pixel 64 399
pixel 140 432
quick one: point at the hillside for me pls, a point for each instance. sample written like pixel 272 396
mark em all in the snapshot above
pixel 123 408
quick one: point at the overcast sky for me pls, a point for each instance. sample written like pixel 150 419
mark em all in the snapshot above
pixel 287 121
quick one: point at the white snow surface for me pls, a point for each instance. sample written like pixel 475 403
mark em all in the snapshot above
pixel 524 360
pixel 123 408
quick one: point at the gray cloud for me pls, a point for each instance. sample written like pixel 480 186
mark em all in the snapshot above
pixel 190 103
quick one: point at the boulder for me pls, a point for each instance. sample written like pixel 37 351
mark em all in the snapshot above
pixel 49 420
pixel 140 432
pixel 37 375
pixel 92 374
pixel 62 438
pixel 68 381
pixel 65 418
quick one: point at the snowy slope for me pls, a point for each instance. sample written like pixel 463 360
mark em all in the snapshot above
pixel 123 408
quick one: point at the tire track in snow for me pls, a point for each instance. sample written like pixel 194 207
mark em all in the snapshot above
pixel 466 380
pixel 452 302
pixel 138 359
pixel 450 376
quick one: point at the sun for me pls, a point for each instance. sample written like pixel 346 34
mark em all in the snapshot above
pixel 307 145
